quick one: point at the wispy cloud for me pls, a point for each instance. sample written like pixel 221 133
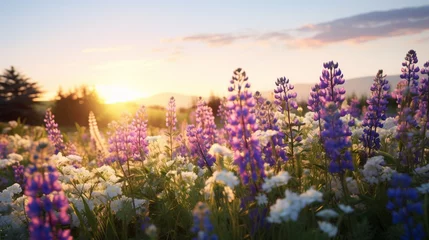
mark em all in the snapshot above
pixel 222 39
pixel 107 49
pixel 355 29
pixel 367 27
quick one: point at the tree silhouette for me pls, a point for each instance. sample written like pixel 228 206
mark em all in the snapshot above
pixel 17 95
pixel 74 106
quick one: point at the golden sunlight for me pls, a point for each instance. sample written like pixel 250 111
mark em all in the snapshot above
pixel 118 93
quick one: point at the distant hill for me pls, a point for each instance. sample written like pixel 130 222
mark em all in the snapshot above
pixel 161 99
pixel 359 86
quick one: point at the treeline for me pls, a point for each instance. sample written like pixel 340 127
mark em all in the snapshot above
pixel 18 96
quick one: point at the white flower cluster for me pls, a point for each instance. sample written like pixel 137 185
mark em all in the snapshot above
pixel 281 179
pixel 16 217
pixel 18 142
pixel 374 170
pixel 264 136
pixel 221 150
pixel 424 188
pixel 11 159
pixel 225 178
pixel 328 228
pixel 7 194
pixel 424 171
pixel 61 161
pixel 289 207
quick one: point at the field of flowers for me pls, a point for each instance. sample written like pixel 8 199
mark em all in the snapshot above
pixel 267 171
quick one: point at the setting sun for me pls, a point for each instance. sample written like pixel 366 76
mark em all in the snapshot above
pixel 116 93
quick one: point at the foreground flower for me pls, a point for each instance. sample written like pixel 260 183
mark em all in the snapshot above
pixel 54 133
pixel 47 205
pixel 242 124
pixel 289 208
pixel 202 226
pixel 404 204
pixel 328 228
pixel 376 113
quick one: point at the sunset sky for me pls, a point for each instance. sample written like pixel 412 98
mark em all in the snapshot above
pixel 141 48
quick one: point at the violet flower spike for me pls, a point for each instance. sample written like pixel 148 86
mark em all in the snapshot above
pixel 376 113
pixel 139 145
pixel 47 204
pixel 242 124
pixel 54 134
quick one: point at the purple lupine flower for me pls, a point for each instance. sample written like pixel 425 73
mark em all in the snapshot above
pixel 316 101
pixel 47 205
pixel 274 151
pixel 139 145
pixel 70 149
pixel 335 134
pixel 260 110
pixel 336 140
pixel 376 113
pixel 354 108
pixel 242 125
pixel 285 100
pixel 120 141
pixel 54 133
pixel 202 135
pixel 404 203
pixel 223 113
pixel 422 115
pixel 18 173
pixel 330 79
pixel 205 120
pixel 202 227
pixel 407 99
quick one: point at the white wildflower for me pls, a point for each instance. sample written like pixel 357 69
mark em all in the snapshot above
pixel 264 136
pixel 310 196
pixel 14 157
pixel 75 158
pixel 285 209
pixel 345 208
pixel 151 231
pixel 13 124
pixel 424 188
pixel 221 150
pixel 279 180
pixel 327 214
pixel 386 174
pixel 226 178
pixel 289 208
pixel 372 169
pixel 262 199
pixel 189 177
pixel 424 171
pixel 113 191
pixel 328 228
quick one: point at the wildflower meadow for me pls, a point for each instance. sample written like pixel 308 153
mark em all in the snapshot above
pixel 266 167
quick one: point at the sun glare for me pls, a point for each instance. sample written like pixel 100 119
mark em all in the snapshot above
pixel 116 93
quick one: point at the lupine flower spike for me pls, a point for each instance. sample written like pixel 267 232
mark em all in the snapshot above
pixel 376 113
pixel 54 134
pixel 242 125
pixel 47 204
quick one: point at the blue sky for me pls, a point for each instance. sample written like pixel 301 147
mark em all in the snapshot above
pixel 192 47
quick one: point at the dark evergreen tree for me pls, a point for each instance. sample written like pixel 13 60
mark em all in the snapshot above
pixel 17 95
pixel 74 107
